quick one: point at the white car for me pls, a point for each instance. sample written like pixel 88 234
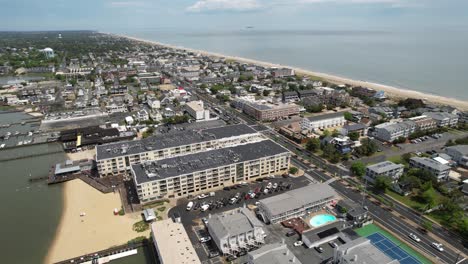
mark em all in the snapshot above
pixel 298 243
pixel 202 196
pixel 437 246
pixel 414 237
pixel 205 239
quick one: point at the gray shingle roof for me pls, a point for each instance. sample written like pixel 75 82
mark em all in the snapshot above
pixel 326 116
pixel 233 223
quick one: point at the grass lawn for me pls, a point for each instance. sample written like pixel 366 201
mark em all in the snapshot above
pixel 410 200
pixel 371 229
pixel 396 159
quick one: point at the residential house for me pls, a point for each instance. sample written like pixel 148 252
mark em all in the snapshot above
pixel 384 169
pixel 440 171
pixel 459 154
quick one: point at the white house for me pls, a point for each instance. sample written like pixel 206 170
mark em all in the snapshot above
pixel 197 110
pixel 153 103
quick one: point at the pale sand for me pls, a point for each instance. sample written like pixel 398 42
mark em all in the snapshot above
pixel 98 230
pixel 390 90
pixel 85 154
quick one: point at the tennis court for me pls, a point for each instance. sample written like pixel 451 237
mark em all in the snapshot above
pixel 391 249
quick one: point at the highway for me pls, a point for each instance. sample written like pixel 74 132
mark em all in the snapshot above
pixel 400 226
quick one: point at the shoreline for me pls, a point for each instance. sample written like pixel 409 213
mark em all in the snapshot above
pixel 98 229
pixel 391 91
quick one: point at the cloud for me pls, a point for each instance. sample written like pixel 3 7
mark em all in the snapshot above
pixel 224 5
pixel 351 1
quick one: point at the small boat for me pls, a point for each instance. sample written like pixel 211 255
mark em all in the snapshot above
pixel 17 133
pixel 23 123
pixel 2 146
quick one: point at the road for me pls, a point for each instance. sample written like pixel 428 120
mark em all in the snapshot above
pixel 386 218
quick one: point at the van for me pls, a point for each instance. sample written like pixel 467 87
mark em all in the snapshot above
pixel 189 206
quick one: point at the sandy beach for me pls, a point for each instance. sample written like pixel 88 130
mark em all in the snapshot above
pixel 396 92
pixel 98 229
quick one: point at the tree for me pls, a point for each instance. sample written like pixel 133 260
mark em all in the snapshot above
pixel 315 108
pixel 266 92
pixel 358 168
pixel 326 133
pixel 399 140
pixel 354 136
pixel 313 144
pixel 293 170
pixel 335 133
pixel 427 225
pixel 367 148
pixel 406 157
pixel 382 183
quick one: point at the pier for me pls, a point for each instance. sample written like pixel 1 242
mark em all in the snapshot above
pixel 107 255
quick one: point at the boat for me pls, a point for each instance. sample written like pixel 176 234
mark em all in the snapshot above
pixel 20 143
pixel 17 133
pixel 23 123
pixel 2 146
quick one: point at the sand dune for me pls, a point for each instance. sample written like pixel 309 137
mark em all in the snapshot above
pixel 390 90
pixel 97 230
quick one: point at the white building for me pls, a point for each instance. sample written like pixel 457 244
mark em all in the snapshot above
pixel 323 121
pixel 117 157
pixel 129 120
pixel 153 103
pixel 236 231
pixel 194 173
pixel 459 154
pixel 295 203
pixel 197 110
pixel 443 119
pixel 384 169
pixel 276 253
pixel 440 171
pixel 142 115
pixel 172 243
pixel 391 131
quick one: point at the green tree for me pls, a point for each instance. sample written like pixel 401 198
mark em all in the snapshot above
pixel 335 133
pixel 266 92
pixel 348 116
pixel 315 108
pixel 382 183
pixel 313 144
pixel 427 225
pixel 358 168
pixel 293 170
pixel 354 136
pixel 367 148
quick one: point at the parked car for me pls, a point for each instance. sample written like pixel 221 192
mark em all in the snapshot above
pixel 213 254
pixel 202 196
pixel 290 233
pixel 332 244
pixel 319 249
pixel 227 188
pixel 205 239
pixel 298 243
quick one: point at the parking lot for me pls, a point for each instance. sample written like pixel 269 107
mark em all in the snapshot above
pixel 192 220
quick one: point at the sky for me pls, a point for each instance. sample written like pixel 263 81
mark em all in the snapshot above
pixel 126 15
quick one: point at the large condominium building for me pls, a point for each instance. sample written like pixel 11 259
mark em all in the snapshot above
pixel 118 157
pixel 192 173
pixel 266 111
pixel 440 171
pixel 295 203
pixel 390 131
pixel 236 231
pixel 172 243
pixel 443 119
pixel 323 121
pixel 384 169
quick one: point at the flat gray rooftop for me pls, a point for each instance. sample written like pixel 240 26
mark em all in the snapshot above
pixel 297 198
pixel 169 140
pixel 170 167
pixel 384 166
pixel 325 116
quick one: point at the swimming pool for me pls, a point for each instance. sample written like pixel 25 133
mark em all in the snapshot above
pixel 322 219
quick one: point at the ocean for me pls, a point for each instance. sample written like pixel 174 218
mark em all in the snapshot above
pixel 429 61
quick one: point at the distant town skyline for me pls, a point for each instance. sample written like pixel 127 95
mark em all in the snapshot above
pixel 117 15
